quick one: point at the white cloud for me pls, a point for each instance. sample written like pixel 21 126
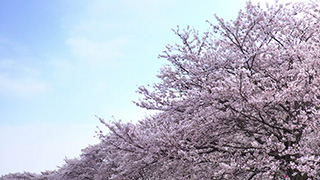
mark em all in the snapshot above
pixel 96 52
pixel 17 78
pixel 40 147
pixel 22 86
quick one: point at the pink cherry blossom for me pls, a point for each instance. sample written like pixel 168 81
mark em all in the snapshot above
pixel 241 101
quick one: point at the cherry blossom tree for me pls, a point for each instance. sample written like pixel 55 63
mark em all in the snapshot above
pixel 243 99
pixel 240 101
pixel 86 167
pixel 20 176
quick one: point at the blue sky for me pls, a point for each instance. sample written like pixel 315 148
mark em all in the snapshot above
pixel 63 62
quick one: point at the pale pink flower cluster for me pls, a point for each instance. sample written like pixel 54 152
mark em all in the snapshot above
pixel 241 101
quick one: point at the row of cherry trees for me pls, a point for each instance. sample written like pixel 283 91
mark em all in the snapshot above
pixel 241 101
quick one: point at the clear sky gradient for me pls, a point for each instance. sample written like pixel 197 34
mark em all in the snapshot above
pixel 63 62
